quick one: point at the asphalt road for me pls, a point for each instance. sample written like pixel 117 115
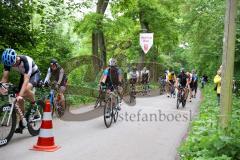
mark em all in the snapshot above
pixel 152 129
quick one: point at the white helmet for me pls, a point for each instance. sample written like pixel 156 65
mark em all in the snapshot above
pixel 112 62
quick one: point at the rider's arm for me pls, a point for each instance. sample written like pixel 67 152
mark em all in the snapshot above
pixel 104 76
pixel 5 76
pixel 119 75
pixel 60 76
pixel 48 76
pixel 177 81
pixel 25 84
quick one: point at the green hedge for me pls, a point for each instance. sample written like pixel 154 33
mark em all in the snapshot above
pixel 205 140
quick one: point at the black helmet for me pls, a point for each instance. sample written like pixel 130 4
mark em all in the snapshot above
pixel 53 61
pixel 182 70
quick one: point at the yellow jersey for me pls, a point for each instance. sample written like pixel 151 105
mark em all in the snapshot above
pixel 171 77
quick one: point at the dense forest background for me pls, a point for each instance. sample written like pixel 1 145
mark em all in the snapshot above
pixel 187 33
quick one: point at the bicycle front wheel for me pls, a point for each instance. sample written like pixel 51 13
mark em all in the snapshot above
pixel 115 113
pixel 35 119
pixel 7 124
pixel 108 111
pixel 60 108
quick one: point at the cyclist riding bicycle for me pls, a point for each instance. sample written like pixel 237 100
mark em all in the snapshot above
pixel 189 85
pixel 112 78
pixel 30 77
pixel 133 76
pixel 194 83
pixel 145 77
pixel 56 72
pixel 182 81
pixel 171 79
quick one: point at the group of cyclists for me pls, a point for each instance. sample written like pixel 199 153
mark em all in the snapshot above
pixel 186 80
pixel 143 77
pixel 111 79
pixel 30 77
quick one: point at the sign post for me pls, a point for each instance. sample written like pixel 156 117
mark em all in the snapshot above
pixel 146 41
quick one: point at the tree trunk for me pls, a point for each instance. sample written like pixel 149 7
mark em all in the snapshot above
pixel 98 41
pixel 102 47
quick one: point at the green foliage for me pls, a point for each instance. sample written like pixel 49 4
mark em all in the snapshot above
pixel 15 17
pixel 206 140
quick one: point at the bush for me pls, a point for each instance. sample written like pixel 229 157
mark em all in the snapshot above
pixel 206 140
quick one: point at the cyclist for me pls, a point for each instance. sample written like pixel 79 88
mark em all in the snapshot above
pixel 112 78
pixel 171 79
pixel 217 81
pixel 189 82
pixel 133 76
pixel 182 81
pixel 60 78
pixel 30 77
pixel 194 83
pixel 145 77
pixel 203 80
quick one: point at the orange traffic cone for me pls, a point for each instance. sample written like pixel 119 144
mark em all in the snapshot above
pixel 46 138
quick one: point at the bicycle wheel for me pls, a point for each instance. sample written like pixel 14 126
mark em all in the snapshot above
pixel 97 103
pixel 115 111
pixel 132 95
pixel 35 119
pixel 60 109
pixel 107 113
pixel 7 129
pixel 178 102
pixel 178 99
pixel 183 103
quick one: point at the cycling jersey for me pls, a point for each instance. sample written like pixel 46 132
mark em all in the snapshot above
pixel 26 66
pixel 112 77
pixel 171 77
pixel 133 75
pixel 58 75
pixel 183 79
pixel 145 75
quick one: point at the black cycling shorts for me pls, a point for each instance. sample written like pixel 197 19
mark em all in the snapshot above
pixel 34 80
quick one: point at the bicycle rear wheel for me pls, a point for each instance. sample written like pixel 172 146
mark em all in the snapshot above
pixel 107 113
pixel 7 129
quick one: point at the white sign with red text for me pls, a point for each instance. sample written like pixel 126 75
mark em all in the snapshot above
pixel 146 41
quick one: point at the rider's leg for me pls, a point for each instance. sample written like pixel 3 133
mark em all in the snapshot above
pixel 186 91
pixel 190 92
pixel 61 92
pixel 168 89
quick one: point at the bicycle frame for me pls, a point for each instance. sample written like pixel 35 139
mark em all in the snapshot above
pixel 12 101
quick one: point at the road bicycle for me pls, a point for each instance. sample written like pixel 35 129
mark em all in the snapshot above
pixel 8 115
pixel 181 97
pixel 112 103
pixel 132 92
pixel 162 86
pixel 58 105
pixel 172 89
pixel 101 97
pixel 146 89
